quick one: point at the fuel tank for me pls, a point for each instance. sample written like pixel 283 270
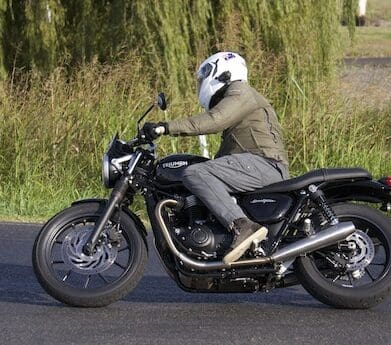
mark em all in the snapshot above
pixel 170 169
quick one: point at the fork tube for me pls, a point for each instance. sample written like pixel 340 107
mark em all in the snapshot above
pixel 117 195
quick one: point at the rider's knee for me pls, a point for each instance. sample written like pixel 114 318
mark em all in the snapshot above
pixel 193 172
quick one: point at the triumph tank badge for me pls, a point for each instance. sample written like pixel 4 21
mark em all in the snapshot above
pixel 263 201
pixel 175 165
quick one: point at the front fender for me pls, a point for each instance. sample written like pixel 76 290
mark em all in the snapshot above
pixel 135 218
pixel 367 191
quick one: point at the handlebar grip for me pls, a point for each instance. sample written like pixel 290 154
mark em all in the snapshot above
pixel 160 130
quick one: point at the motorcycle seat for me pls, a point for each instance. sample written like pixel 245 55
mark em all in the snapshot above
pixel 316 177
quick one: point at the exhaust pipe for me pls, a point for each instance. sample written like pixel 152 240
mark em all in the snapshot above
pixel 320 240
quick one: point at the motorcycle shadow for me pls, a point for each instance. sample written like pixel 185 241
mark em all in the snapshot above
pixel 18 284
pixel 162 289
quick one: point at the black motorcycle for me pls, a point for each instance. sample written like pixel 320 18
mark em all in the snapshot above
pixel 94 252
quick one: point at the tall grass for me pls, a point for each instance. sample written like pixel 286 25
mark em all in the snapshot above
pixel 54 127
pixel 53 131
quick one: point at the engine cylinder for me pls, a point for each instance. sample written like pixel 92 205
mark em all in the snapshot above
pixel 195 209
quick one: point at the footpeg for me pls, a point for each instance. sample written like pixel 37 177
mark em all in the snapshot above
pixel 241 248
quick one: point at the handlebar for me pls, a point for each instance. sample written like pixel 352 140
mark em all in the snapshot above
pixel 142 139
pixel 133 141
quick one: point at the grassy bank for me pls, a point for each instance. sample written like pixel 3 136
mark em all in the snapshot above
pixel 373 39
pixel 54 131
pixel 369 41
pixel 378 11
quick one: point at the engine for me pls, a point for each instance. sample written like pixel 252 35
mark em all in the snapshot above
pixel 198 233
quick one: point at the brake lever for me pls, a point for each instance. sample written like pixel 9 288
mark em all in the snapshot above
pixel 139 140
pixel 132 142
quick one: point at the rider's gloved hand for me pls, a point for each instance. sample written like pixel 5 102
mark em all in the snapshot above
pixel 153 130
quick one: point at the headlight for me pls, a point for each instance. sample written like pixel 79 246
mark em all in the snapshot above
pixel 109 172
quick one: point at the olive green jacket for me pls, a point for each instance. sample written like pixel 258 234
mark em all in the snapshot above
pixel 247 120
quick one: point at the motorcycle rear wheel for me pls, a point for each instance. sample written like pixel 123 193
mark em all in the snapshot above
pixel 78 280
pixel 364 287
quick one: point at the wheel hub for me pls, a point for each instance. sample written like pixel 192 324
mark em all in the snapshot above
pixel 362 251
pixel 72 252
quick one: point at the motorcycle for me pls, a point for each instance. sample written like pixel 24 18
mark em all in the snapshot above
pixel 322 234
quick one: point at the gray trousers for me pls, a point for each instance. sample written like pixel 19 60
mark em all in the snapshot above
pixel 213 181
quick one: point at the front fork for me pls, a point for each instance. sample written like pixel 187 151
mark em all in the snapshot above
pixel 118 194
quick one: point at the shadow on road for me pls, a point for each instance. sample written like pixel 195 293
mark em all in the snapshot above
pixel 156 289
pixel 18 284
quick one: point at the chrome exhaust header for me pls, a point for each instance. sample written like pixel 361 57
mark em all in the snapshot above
pixel 320 240
pixel 187 261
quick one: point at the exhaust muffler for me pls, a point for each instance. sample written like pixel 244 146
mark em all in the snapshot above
pixel 320 240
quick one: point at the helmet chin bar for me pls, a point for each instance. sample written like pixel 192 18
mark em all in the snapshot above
pixel 218 96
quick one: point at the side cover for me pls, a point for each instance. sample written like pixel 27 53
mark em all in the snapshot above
pixel 266 208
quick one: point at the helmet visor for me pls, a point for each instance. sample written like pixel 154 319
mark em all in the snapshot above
pixel 202 74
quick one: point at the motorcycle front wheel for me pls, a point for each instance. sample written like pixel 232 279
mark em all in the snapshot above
pixel 73 278
pixel 356 273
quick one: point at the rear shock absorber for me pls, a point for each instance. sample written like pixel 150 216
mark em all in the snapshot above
pixel 318 197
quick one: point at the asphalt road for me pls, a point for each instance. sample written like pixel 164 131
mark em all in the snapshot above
pixel 364 61
pixel 158 312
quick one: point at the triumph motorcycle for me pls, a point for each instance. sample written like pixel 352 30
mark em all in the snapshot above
pixel 322 234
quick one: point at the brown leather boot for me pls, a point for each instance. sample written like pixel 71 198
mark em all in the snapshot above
pixel 246 231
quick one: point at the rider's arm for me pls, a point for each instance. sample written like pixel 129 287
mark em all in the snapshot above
pixel 235 105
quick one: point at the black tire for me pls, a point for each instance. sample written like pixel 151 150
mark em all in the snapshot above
pixel 371 291
pixel 84 289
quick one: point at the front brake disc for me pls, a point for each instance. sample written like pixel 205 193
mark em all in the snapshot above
pixel 72 252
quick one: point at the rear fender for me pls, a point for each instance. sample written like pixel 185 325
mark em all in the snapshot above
pixel 139 224
pixel 367 191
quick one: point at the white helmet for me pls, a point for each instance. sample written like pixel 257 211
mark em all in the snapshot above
pixel 216 71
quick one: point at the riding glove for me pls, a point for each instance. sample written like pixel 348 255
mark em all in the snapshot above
pixel 150 132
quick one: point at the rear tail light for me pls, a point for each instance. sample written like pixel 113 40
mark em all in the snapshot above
pixel 386 181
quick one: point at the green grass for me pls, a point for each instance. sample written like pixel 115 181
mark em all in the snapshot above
pixel 374 39
pixel 378 10
pixel 54 128
pixel 369 41
pixel 54 131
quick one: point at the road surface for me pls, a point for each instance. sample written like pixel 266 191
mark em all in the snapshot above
pixel 158 312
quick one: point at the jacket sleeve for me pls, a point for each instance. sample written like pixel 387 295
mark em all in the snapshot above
pixel 235 105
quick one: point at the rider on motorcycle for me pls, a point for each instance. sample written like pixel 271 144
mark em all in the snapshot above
pixel 251 153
